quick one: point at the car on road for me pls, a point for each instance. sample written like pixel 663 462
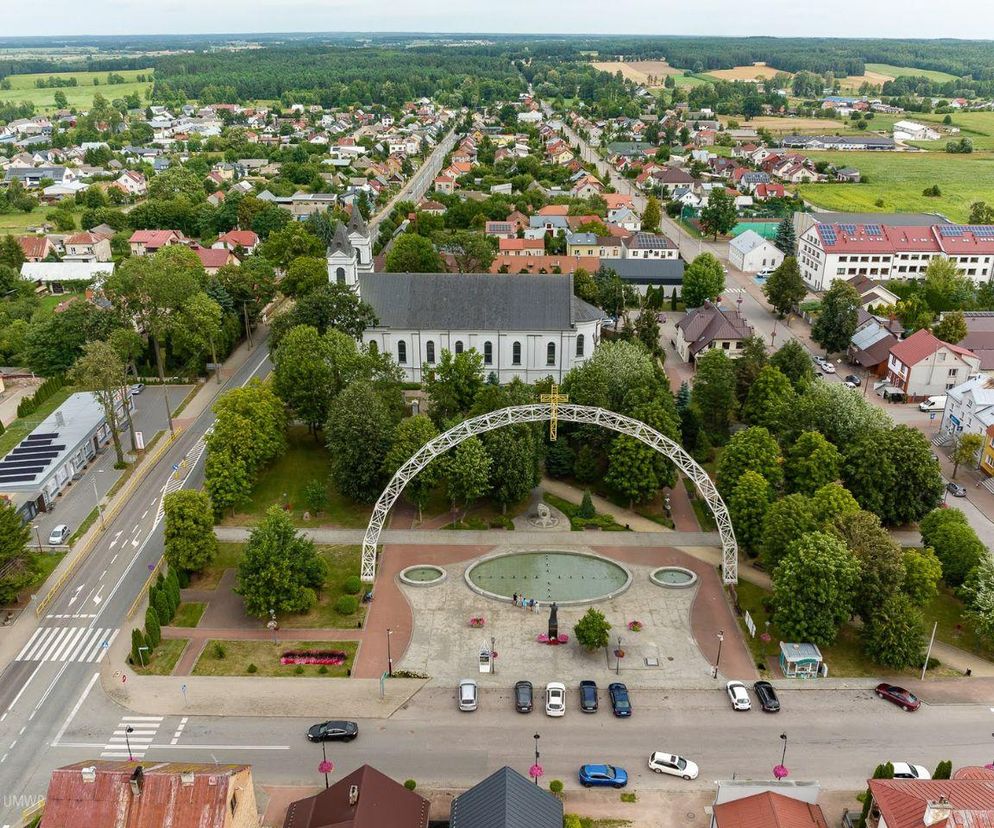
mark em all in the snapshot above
pixel 903 770
pixel 333 731
pixel 765 273
pixel 767 696
pixel 955 489
pixel 826 366
pixel 620 703
pixel 588 696
pixel 602 776
pixel 672 764
pixel 850 385
pixel 59 535
pixel 856 381
pixel 468 695
pixel 137 388
pixel 523 697
pixel 555 699
pixel 899 696
pixel 738 695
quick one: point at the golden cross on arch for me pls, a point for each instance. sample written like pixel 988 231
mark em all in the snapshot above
pixel 554 398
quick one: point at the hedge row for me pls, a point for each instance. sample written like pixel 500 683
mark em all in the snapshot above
pixel 30 404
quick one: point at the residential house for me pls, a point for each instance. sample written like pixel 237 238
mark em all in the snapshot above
pixel 233 240
pixel 31 177
pixel 87 247
pixel 518 219
pixel 980 337
pixel 586 187
pixel 970 410
pixel 965 800
pixel 433 208
pixel 445 184
pixel 132 183
pixel 848 175
pixel 559 264
pixel 500 229
pixel 54 275
pixel 625 217
pixel 505 799
pixel 651 246
pixel 514 246
pixel 365 798
pixel 117 794
pixel 923 365
pixel 870 344
pixel 768 809
pixel 35 248
pixel 762 192
pixel 873 294
pixel 146 242
pixel 670 178
pixel 751 253
pixel 303 205
pixel 711 326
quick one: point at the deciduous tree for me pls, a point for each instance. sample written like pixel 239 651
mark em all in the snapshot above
pixel 719 215
pixel 714 392
pixel 703 280
pixel 190 544
pixel 753 449
pixel 467 472
pixel 302 375
pixel 592 631
pixel 794 363
pixel 304 275
pixel 785 521
pixel 410 435
pixel 770 400
pixel 894 634
pixel 922 573
pixel 17 564
pixel 452 385
pixel 747 506
pixel 411 253
pixel 811 462
pixel 785 288
pixel 837 317
pixel 966 449
pixel 359 433
pixel 952 327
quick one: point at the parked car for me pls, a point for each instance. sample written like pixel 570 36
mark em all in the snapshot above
pixel 334 731
pixel 856 381
pixel 738 695
pixel 936 403
pixel 602 776
pixel 137 388
pixel 620 703
pixel 523 697
pixel 555 699
pixel 765 273
pixel 588 696
pixel 59 535
pixel 672 764
pixel 827 366
pixel 850 385
pixel 468 695
pixel 899 696
pixel 955 489
pixel 767 696
pixel 903 770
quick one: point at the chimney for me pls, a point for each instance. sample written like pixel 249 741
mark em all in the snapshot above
pixel 186 778
pixel 89 774
pixel 353 794
pixel 938 811
pixel 137 781
pixel 60 419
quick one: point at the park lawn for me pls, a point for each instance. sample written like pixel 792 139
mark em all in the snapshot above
pixel 955 628
pixel 486 514
pixel 898 178
pixel 908 71
pixel 23 426
pixel 162 660
pixel 228 557
pixel 283 483
pixel 266 657
pixel 342 561
pixel 188 614
pixel 18 221
pixel 23 88
pixel 977 126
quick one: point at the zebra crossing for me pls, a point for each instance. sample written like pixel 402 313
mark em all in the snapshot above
pixel 80 644
pixel 176 481
pixel 134 731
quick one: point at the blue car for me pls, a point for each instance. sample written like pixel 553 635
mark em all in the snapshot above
pixel 603 776
pixel 619 699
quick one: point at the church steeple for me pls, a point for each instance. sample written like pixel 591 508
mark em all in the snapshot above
pixel 359 236
pixel 357 224
pixel 342 259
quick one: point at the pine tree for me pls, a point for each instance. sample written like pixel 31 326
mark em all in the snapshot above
pixel 137 640
pixel 153 630
pixel 785 241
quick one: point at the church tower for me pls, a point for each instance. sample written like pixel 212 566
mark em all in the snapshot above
pixel 359 237
pixel 342 259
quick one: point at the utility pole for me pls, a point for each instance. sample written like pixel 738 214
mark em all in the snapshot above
pixel 248 327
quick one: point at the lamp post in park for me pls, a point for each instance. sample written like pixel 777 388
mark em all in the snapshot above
pixel 717 660
pixel 389 656
pixel 536 771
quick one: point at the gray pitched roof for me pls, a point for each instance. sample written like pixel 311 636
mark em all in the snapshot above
pixel 505 799
pixel 475 301
pixel 648 271
pixel 340 241
pixel 357 224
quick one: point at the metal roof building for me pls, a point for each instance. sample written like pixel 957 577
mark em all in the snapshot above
pixel 505 799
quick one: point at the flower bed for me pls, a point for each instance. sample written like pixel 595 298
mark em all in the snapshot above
pixel 333 657
pixel 635 626
pixel 477 621
pixel 543 638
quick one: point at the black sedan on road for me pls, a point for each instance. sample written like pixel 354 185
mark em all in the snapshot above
pixel 767 696
pixel 588 696
pixel 523 701
pixel 620 703
pixel 337 731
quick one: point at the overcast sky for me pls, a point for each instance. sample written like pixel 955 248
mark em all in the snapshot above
pixel 839 18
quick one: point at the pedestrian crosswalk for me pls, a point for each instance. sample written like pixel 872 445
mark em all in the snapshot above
pixel 132 737
pixel 735 290
pixel 83 644
pixel 179 475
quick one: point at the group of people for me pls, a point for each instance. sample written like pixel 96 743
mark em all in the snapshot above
pixel 527 603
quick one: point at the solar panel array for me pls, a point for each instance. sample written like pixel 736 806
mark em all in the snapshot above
pixel 827 233
pixel 30 457
pixel 983 231
pixel 873 230
pixel 649 241
pixel 951 230
pixel 848 229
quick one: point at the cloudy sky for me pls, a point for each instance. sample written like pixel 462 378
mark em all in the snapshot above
pixel 839 18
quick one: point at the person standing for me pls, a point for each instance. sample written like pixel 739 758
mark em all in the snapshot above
pixel 514 599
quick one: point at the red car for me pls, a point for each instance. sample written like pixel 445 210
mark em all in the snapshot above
pixel 899 696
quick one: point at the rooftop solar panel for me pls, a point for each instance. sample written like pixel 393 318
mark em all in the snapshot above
pixel 21 464
pixel 39 435
pixel 873 230
pixel 15 478
pixel 984 231
pixel 848 228
pixel 950 230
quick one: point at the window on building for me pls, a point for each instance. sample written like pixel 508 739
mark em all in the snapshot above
pixel 430 352
pixel 488 353
pixel 340 275
pixel 401 353
pixel 550 354
pixel 458 346
pixel 579 345
pixel 516 353
pixel 725 345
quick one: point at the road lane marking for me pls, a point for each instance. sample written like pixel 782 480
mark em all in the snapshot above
pixel 223 747
pixel 144 514
pixel 68 644
pixel 20 693
pixel 179 730
pixel 143 731
pixel 75 710
pixel 113 543
pixel 102 575
pixel 96 598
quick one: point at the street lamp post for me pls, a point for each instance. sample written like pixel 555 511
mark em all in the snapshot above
pixel 96 498
pixel 717 660
pixel 537 737
pixel 389 656
pixel 326 766
pixel 273 625
pixel 38 535
pixel 619 653
pixel 493 652
pixel 783 757
pixel 127 732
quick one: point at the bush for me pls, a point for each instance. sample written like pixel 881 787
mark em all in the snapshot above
pixel 352 585
pixel 587 510
pixel 251 669
pixel 572 821
pixel 346 605
pixel 163 607
pixel 944 770
pixel 137 640
pixel 218 650
pixel 299 670
pixel 153 631
pixel 628 796
pixel 323 669
pixel 410 784
pixel 556 786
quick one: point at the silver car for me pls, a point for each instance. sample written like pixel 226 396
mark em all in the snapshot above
pixel 59 535
pixel 468 695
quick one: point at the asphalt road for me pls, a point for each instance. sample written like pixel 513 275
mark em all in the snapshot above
pixel 39 688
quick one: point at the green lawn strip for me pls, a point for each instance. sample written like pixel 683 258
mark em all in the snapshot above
pixel 19 221
pixel 188 614
pixel 238 655
pixel 283 483
pixel 955 628
pixel 86 524
pixel 23 426
pixel 45 564
pixel 577 523
pixel 186 400
pixel 485 514
pixel 228 557
pixel 162 660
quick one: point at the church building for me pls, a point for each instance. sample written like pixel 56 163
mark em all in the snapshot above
pixel 351 251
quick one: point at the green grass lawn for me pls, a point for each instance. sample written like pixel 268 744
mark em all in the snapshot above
pixel 238 655
pixel 23 426
pixel 912 71
pixel 228 556
pixel 23 88
pixel 188 615
pixel 305 459
pixel 977 126
pixel 163 658
pixel 954 627
pixel 18 222
pixel 46 565
pixel 898 178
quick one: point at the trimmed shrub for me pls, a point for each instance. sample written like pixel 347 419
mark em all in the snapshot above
pixel 152 629
pixel 572 821
pixel 346 605
pixel 163 607
pixel 556 786
pixel 299 670
pixel 352 585
pixel 410 784
pixel 137 640
pixel 218 650
pixel 251 669
pixel 587 507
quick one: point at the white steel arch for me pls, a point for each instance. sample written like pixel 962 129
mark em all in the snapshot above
pixel 585 414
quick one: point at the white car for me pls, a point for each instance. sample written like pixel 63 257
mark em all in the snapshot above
pixel 555 699
pixel 738 695
pixel 765 273
pixel 902 770
pixel 468 696
pixel 850 384
pixel 59 535
pixel 674 765
pixel 826 366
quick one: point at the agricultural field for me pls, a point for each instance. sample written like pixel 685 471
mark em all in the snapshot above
pixel 744 73
pixel 23 88
pixel 817 126
pixel 977 126
pixel 890 72
pixel 897 179
pixel 638 71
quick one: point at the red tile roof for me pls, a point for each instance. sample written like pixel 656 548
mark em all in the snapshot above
pixel 903 802
pixel 34 247
pixel 85 238
pixel 768 810
pixel 535 264
pixel 240 238
pixel 153 239
pixel 521 244
pixel 554 210
pixel 921 345
pixel 211 258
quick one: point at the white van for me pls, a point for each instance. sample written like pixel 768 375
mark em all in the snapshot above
pixel 933 403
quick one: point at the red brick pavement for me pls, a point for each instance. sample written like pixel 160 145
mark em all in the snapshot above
pixel 682 511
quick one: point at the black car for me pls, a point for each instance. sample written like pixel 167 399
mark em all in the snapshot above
pixel 588 697
pixel 523 697
pixel 333 732
pixel 767 696
pixel 620 703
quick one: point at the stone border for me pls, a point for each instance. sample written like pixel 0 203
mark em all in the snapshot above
pixel 692 582
pixel 414 583
pixel 508 551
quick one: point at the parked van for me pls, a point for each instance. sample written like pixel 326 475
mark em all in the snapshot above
pixel 933 403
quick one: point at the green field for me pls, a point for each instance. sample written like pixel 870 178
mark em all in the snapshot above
pixel 902 71
pixel 23 88
pixel 18 222
pixel 898 179
pixel 977 126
